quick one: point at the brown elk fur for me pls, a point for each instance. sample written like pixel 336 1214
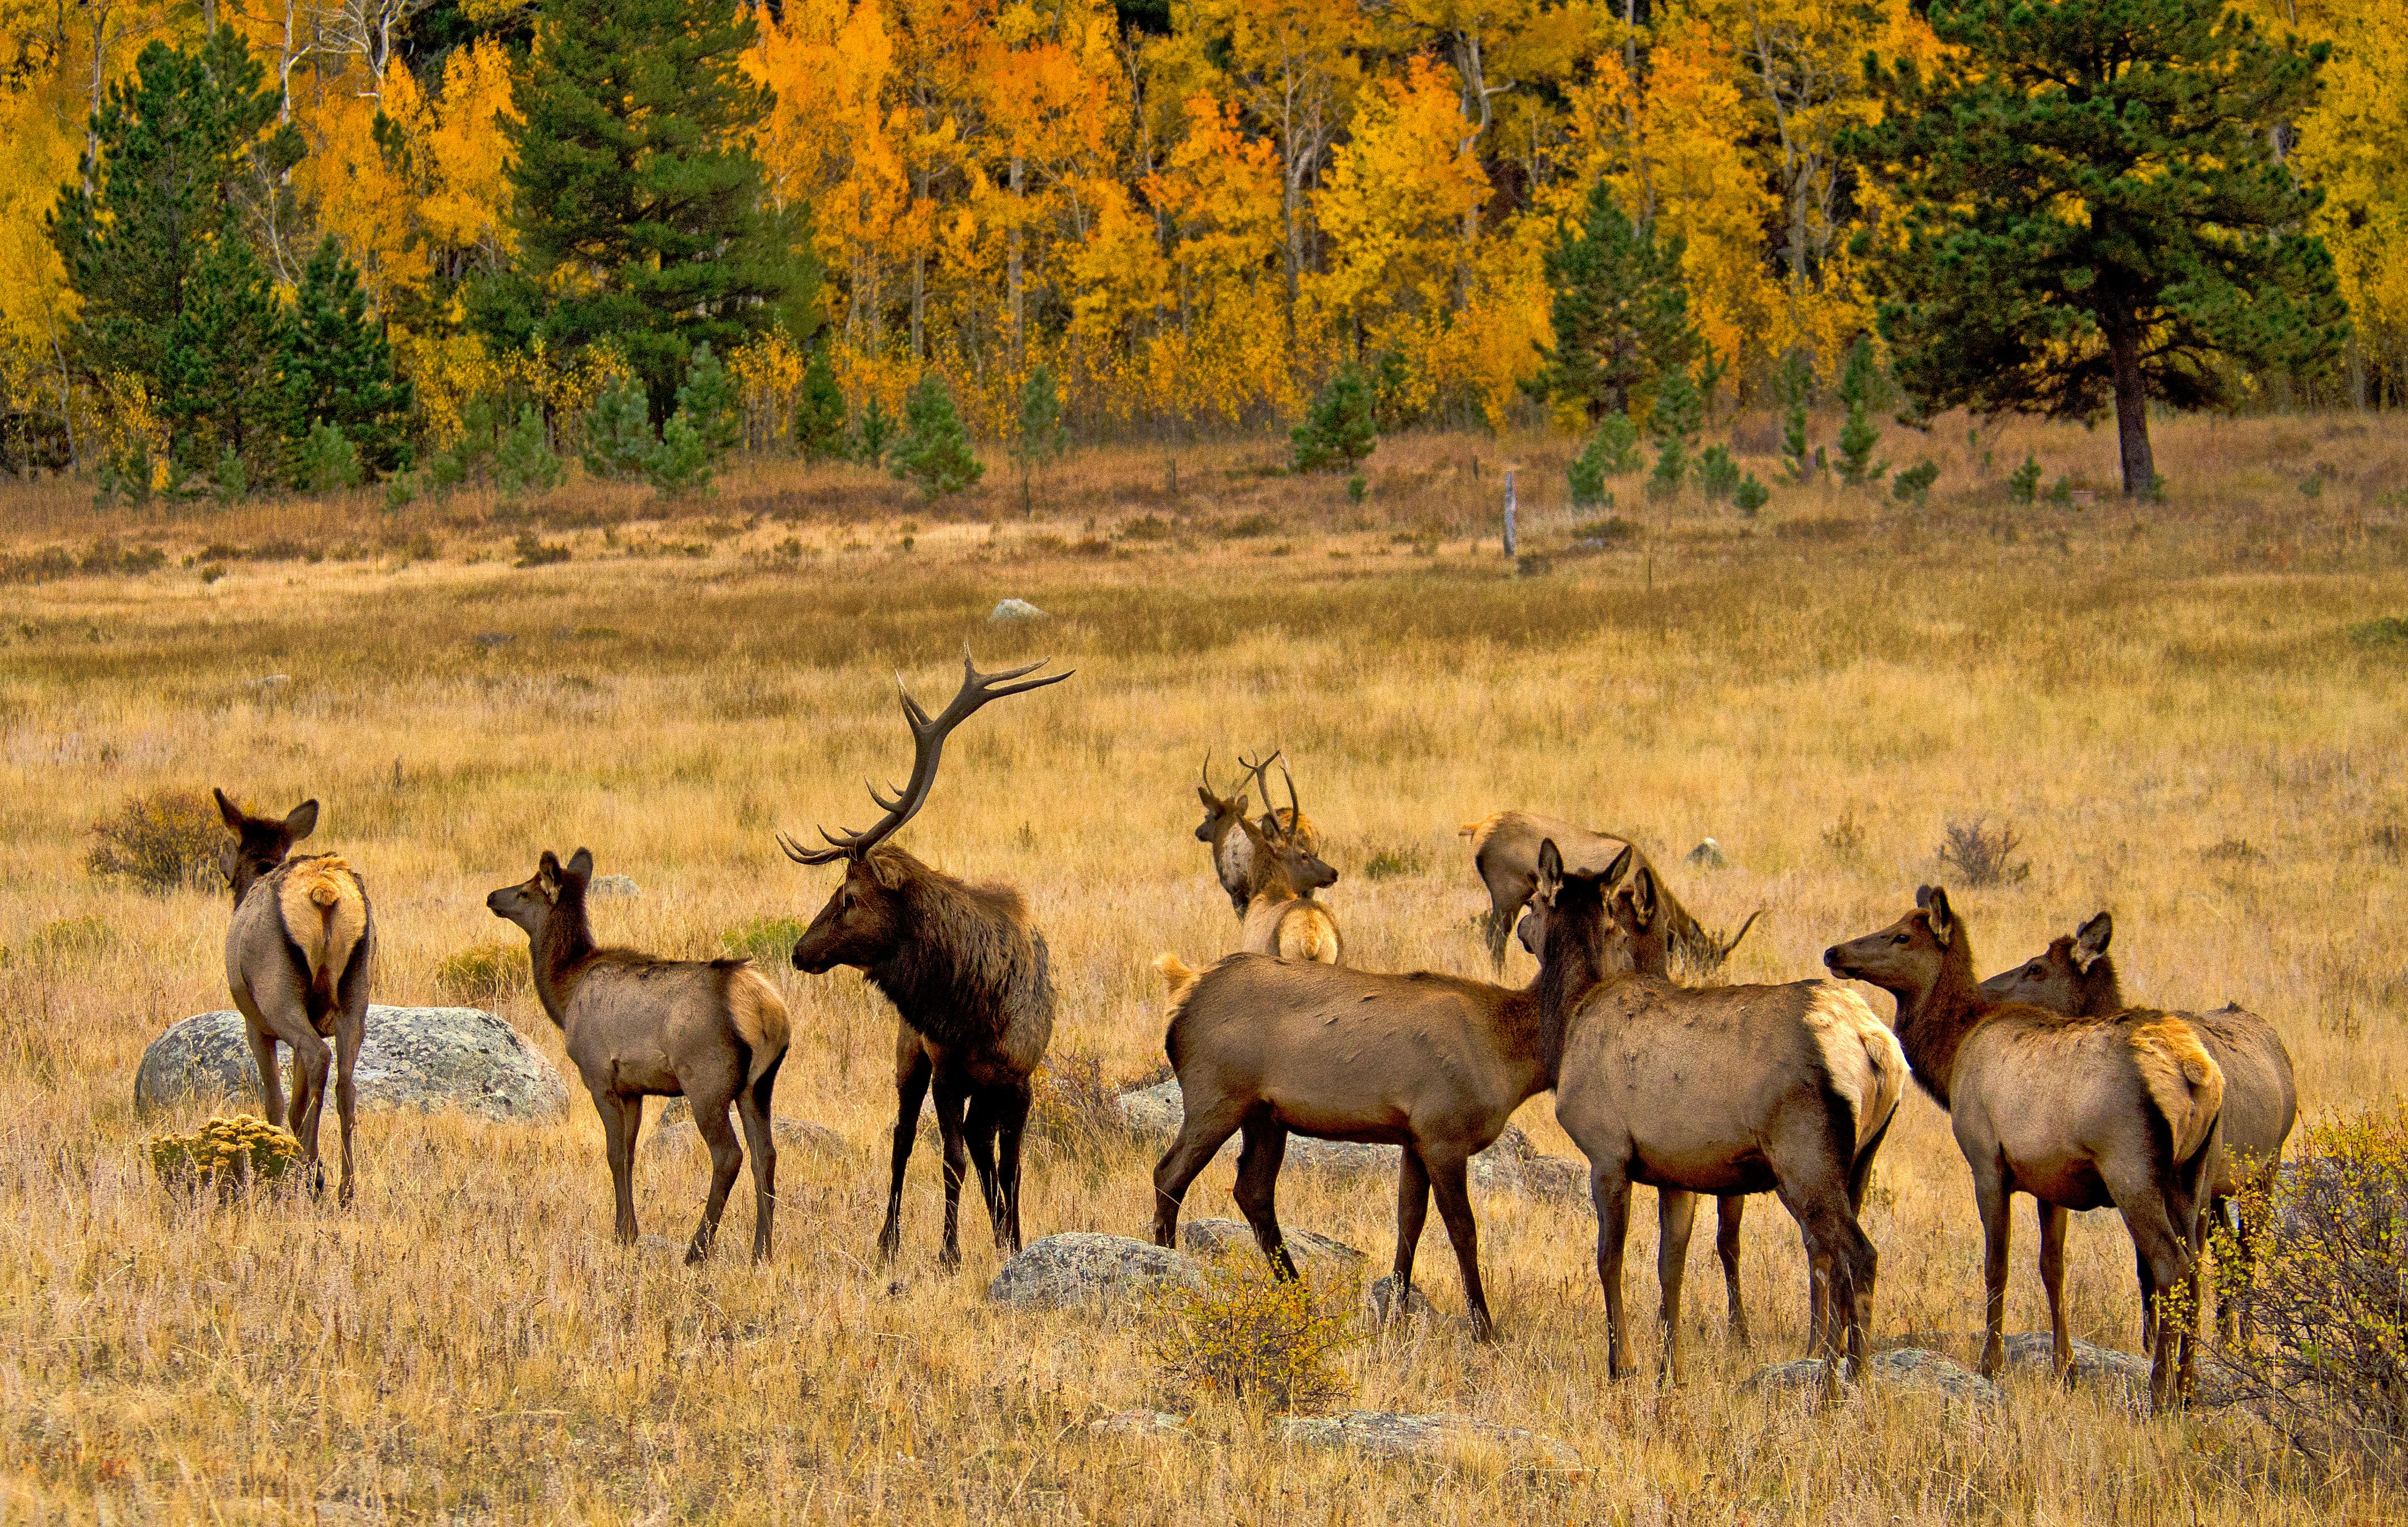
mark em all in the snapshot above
pixel 2076 976
pixel 1281 917
pixel 300 957
pixel 713 1031
pixel 1233 850
pixel 1505 851
pixel 1433 1063
pixel 2080 1113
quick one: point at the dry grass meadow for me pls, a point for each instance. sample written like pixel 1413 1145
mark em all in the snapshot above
pixel 2168 705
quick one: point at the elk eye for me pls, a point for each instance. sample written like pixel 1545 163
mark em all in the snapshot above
pixel 848 900
pixel 1901 939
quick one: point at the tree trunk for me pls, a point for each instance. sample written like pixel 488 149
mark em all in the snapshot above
pixel 2131 408
pixel 1012 278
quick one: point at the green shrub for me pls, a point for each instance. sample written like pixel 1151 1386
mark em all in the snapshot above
pixel 1796 389
pixel 231 481
pixel 1587 473
pixel 712 402
pixel 1717 474
pixel 523 462
pixel 2387 631
pixel 873 434
pixel 1339 430
pixel 1673 424
pixel 682 462
pixel 126 474
pixel 163 841
pixel 326 462
pixel 482 974
pixel 1860 386
pixel 1390 863
pixel 819 432
pixel 1751 496
pixel 1612 530
pixel 619 438
pixel 2023 484
pixel 1914 486
pixel 935 450
pixel 1260 1341
pixel 767 941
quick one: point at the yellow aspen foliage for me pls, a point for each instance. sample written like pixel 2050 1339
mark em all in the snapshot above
pixel 1396 200
pixel 467 152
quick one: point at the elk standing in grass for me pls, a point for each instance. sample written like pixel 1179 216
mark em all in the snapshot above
pixel 1281 917
pixel 2075 976
pixel 300 956
pixel 1233 848
pixel 2081 1114
pixel 967 972
pixel 1433 1063
pixel 1727 1090
pixel 1505 851
pixel 713 1031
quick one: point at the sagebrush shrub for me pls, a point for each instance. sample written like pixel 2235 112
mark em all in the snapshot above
pixel 225 1154
pixel 1258 1340
pixel 1984 856
pixel 162 841
pixel 1074 1102
pixel 482 974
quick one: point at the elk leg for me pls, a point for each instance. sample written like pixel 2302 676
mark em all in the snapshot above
pixel 350 1028
pixel 1815 1193
pixel 2159 1246
pixel 1676 1213
pixel 1011 1121
pixel 1200 1137
pixel 618 1143
pixel 911 1090
pixel 271 1084
pixel 2051 1278
pixel 1994 1198
pixel 1412 1213
pixel 1728 1210
pixel 1447 1175
pixel 311 1061
pixel 951 1097
pixel 1258 1167
pixel 726 1160
pixel 761 1143
pixel 1609 1187
pixel 977 1136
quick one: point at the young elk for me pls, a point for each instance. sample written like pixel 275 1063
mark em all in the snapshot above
pixel 300 955
pixel 1433 1063
pixel 2079 1112
pixel 965 972
pixel 1727 1090
pixel 1233 848
pixel 1505 851
pixel 1281 917
pixel 2074 976
pixel 710 1031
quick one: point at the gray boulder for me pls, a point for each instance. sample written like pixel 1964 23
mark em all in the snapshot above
pixel 614 885
pixel 1380 1305
pixel 2036 1350
pixel 1086 1267
pixel 1236 1238
pixel 1016 609
pixel 789 1134
pixel 422 1058
pixel 1437 1438
pixel 1707 856
pixel 1901 1367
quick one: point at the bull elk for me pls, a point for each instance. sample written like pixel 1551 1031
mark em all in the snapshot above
pixel 2079 1112
pixel 1505 851
pixel 300 956
pixel 2075 976
pixel 713 1031
pixel 1233 848
pixel 1433 1063
pixel 967 972
pixel 1728 1091
pixel 1281 917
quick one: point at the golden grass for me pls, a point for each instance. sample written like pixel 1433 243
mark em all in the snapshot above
pixel 2140 694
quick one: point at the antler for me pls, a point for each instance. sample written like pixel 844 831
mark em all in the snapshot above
pixel 1260 779
pixel 928 734
pixel 1295 811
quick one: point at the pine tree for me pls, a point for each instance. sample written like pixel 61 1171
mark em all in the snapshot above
pixel 1673 424
pixel 1796 389
pixel 819 418
pixel 1340 431
pixel 338 368
pixel 680 463
pixel 1620 313
pixel 638 205
pixel 875 434
pixel 709 398
pixel 935 450
pixel 619 438
pixel 1038 437
pixel 2187 264
pixel 218 372
pixel 1859 389
pixel 523 461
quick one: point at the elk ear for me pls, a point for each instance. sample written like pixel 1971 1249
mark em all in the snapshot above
pixel 580 866
pixel 1550 871
pixel 1211 801
pixel 886 870
pixel 229 811
pixel 302 821
pixel 1620 868
pixel 1644 902
pixel 547 874
pixel 2090 942
pixel 1943 922
pixel 1922 897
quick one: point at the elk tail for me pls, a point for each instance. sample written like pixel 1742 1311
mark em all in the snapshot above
pixel 325 915
pixel 758 1015
pixel 2184 1080
pixel 1178 974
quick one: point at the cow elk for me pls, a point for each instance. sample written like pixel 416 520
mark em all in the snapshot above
pixel 300 956
pixel 1727 1090
pixel 967 972
pixel 2075 976
pixel 1233 848
pixel 1505 851
pixel 713 1031
pixel 1434 1063
pixel 1281 917
pixel 2080 1113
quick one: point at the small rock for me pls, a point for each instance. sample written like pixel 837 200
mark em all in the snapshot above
pixel 789 1134
pixel 1235 1237
pixel 1154 1112
pixel 1380 1301
pixel 1438 1438
pixel 1016 610
pixel 1709 856
pixel 1086 1267
pixel 1137 1423
pixel 614 885
pixel 490 640
pixel 423 1058
pixel 2037 1350
pixel 1901 1367
pixel 269 681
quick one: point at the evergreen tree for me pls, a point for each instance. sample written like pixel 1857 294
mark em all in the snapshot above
pixel 170 141
pixel 523 461
pixel 680 463
pixel 638 206
pixel 1620 315
pixel 325 461
pixel 1673 426
pixel 1796 389
pixel 1340 431
pixel 935 450
pixel 1859 387
pixel 711 400
pixel 874 434
pixel 338 368
pixel 619 438
pixel 218 378
pixel 1038 437
pixel 819 418
pixel 2156 122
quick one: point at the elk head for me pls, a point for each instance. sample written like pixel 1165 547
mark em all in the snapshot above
pixel 1221 813
pixel 1905 959
pixel 1568 916
pixel 2061 977
pixel 1305 870
pixel 260 843
pixel 529 903
pixel 864 922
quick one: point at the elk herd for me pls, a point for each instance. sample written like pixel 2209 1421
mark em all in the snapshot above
pixel 2054 1084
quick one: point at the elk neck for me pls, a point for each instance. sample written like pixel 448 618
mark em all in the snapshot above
pixel 562 951
pixel 957 972
pixel 1574 964
pixel 1932 1023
